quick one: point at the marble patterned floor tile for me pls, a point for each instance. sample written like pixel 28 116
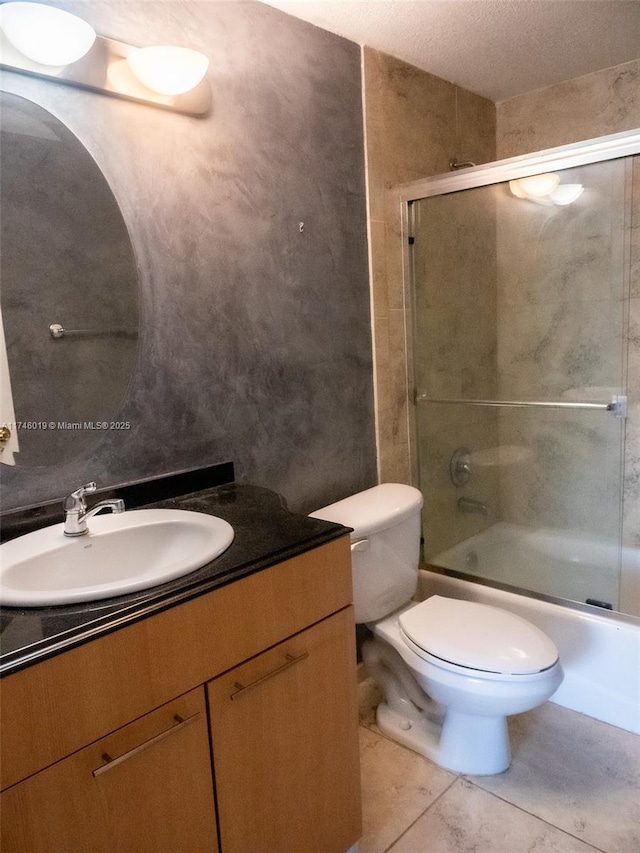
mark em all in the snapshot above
pixel 574 772
pixel 466 819
pixel 397 787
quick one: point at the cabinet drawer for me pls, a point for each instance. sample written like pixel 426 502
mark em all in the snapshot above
pixel 285 745
pixel 146 787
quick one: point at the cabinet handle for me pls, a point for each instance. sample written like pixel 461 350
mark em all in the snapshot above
pixel 290 661
pixel 180 723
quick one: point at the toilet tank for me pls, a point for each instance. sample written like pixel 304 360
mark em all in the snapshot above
pixel 385 546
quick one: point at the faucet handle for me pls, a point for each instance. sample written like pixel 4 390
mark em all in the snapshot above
pixel 76 499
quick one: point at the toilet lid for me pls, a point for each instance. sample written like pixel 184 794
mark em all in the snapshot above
pixel 478 636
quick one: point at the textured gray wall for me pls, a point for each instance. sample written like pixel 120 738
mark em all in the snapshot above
pixel 255 339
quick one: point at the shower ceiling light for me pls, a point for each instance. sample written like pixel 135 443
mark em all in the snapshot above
pixel 566 193
pixel 546 189
pixel 46 35
pixel 536 186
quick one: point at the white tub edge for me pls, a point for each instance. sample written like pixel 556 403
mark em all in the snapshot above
pixel 600 655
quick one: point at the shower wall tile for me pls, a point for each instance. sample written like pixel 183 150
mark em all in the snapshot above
pixel 569 476
pixel 378 255
pixel 631 525
pixel 593 105
pixel 634 348
pixel 414 124
pixel 635 229
pixel 476 128
pixel 442 430
pixel 564 351
pixel 550 254
pixel 413 112
pixel 630 581
pixel 455 356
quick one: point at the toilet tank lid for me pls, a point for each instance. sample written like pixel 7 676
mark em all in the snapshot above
pixel 478 636
pixel 374 509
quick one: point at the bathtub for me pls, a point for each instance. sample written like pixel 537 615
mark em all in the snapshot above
pixel 558 563
pixel 599 649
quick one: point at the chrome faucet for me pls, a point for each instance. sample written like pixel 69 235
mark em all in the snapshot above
pixel 473 506
pixel 76 514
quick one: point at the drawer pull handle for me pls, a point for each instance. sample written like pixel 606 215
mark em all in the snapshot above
pixel 290 661
pixel 180 723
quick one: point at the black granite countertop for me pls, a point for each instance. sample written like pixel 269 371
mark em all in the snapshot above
pixel 266 532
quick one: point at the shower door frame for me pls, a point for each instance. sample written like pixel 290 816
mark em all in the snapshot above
pixel 611 147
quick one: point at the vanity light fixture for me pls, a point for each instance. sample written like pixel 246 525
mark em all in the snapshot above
pixel 168 70
pixel 46 35
pixel 546 189
pixel 536 186
pixel 52 44
pixel 566 194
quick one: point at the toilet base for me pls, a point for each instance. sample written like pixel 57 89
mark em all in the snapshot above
pixel 469 744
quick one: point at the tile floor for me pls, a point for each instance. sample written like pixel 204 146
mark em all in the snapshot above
pixel 573 787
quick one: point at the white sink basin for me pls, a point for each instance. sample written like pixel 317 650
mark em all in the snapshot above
pixel 122 553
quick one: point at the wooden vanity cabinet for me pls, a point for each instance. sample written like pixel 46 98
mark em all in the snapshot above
pixel 285 756
pixel 147 788
pixel 108 747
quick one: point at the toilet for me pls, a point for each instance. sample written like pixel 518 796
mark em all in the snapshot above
pixel 451 670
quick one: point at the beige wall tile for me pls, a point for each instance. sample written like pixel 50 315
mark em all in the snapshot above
pixel 635 229
pixel 475 127
pixel 594 105
pixel 415 123
pixel 379 285
pixel 590 282
pixel 395 464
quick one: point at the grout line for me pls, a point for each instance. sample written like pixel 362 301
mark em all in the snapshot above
pixel 474 784
pixel 534 815
pixel 422 813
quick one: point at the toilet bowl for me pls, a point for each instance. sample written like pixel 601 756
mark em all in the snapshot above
pixel 451 670
pixel 474 665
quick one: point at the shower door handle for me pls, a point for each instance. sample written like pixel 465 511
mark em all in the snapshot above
pixel 617 405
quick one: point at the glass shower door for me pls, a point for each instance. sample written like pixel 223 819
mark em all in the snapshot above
pixel 520 305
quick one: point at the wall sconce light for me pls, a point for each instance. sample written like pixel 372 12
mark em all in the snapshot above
pixel 168 70
pixel 46 35
pixel 546 189
pixel 42 41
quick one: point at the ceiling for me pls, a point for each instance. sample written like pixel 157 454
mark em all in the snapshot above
pixel 496 48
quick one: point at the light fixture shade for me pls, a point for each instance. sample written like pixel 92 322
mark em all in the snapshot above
pixel 535 186
pixel 168 70
pixel 566 193
pixel 46 35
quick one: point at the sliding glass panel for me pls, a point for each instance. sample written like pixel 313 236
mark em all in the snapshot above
pixel 520 296
pixel 524 497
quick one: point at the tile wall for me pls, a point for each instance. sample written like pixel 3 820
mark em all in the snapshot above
pixel 597 104
pixel 414 124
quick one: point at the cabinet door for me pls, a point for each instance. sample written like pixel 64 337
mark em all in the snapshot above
pixel 146 788
pixel 285 745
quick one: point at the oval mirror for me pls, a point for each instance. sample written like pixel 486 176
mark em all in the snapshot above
pixel 69 301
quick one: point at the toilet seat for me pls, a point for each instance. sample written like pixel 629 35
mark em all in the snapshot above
pixel 468 635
